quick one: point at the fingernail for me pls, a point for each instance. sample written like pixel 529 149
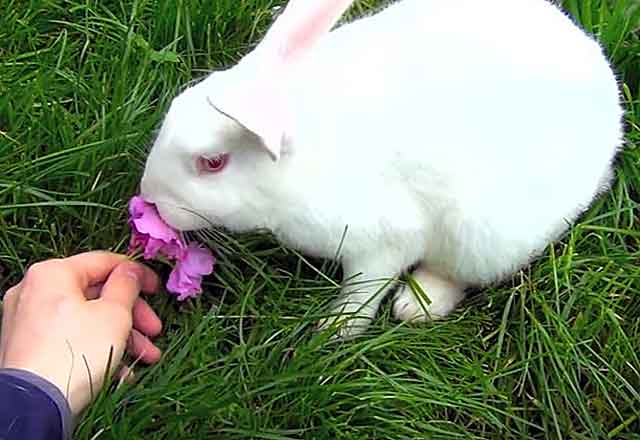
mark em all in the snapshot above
pixel 134 275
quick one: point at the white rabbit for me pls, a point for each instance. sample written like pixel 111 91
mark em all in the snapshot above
pixel 461 135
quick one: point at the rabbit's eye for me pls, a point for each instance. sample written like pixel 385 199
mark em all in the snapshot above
pixel 213 164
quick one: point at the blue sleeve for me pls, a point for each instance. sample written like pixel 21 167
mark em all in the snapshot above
pixel 31 408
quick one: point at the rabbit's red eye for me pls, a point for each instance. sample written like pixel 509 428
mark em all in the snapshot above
pixel 213 164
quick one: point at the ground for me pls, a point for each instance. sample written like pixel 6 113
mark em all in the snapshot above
pixel 552 353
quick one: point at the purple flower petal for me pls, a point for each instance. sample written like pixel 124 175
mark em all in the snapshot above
pixel 146 220
pixel 136 206
pixel 183 284
pixel 174 250
pixel 197 260
pixel 186 277
pixel 151 234
pixel 153 247
pixel 151 223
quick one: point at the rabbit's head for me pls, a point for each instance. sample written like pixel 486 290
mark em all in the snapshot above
pixel 217 157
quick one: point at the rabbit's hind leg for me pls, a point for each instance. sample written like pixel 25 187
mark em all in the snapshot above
pixel 442 297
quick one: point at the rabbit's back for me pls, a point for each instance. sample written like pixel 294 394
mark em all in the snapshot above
pixel 497 68
pixel 500 116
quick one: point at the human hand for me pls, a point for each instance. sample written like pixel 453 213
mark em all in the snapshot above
pixel 70 319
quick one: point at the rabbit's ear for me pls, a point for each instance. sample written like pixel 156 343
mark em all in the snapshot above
pixel 259 107
pixel 256 97
pixel 300 26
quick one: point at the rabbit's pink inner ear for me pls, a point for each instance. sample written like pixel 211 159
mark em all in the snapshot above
pixel 257 100
pixel 301 25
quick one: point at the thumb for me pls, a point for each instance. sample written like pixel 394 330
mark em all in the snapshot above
pixel 123 285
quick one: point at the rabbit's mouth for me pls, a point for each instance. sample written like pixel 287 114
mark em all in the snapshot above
pixel 182 218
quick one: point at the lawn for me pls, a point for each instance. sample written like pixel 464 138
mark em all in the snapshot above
pixel 552 353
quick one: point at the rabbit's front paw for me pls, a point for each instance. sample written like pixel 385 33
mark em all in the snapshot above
pixel 443 297
pixel 348 321
pixel 346 326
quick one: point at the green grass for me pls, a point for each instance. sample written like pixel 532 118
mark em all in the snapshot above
pixel 553 353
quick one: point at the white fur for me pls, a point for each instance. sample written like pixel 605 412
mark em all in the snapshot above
pixel 462 134
pixel 443 294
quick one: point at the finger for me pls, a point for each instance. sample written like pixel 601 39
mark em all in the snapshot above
pixel 123 285
pixel 9 300
pixel 150 284
pixel 74 275
pixel 141 347
pixel 145 320
pixel 126 375
pixel 93 292
pixel 150 280
pixel 92 268
pixel 7 308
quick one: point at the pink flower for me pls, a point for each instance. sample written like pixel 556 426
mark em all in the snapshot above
pixel 151 234
pixel 186 277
